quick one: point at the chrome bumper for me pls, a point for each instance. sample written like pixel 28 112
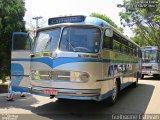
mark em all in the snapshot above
pixel 150 72
pixel 91 94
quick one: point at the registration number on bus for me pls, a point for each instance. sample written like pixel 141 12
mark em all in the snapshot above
pixel 50 92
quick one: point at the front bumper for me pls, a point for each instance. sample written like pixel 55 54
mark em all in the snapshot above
pixel 150 72
pixel 79 94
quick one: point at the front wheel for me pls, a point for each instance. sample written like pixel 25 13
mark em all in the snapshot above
pixel 156 76
pixel 113 98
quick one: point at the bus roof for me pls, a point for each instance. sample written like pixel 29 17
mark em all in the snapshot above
pixel 87 20
pixel 150 47
pixel 81 20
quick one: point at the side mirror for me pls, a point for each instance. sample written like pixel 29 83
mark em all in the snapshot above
pixel 109 32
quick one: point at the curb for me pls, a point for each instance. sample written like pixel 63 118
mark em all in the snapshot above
pixel 16 93
pixel 3 94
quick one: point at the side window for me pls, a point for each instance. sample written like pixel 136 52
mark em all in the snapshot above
pixel 21 42
pixel 130 48
pixel 135 51
pixel 107 42
pixel 124 47
pixel 140 53
pixel 158 56
pixel 116 43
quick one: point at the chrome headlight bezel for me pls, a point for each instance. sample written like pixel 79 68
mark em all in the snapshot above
pixel 155 67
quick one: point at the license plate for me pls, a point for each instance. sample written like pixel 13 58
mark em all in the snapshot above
pixel 50 92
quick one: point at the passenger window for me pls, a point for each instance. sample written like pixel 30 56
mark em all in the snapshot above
pixel 130 48
pixel 124 47
pixel 158 56
pixel 140 53
pixel 116 43
pixel 135 51
pixel 107 42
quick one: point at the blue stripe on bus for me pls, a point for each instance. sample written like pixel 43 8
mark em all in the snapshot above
pixel 17 69
pixel 59 61
pixel 124 85
pixel 78 97
pixel 19 89
pixel 106 95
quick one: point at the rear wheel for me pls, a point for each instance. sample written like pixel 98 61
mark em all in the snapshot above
pixel 135 84
pixel 156 76
pixel 142 76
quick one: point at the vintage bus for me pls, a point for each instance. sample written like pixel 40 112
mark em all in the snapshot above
pixel 151 59
pixel 76 57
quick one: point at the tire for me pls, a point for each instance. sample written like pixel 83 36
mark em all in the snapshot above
pixel 112 100
pixel 135 84
pixel 142 76
pixel 156 76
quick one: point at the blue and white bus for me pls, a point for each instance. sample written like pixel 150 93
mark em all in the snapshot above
pixel 151 59
pixel 76 57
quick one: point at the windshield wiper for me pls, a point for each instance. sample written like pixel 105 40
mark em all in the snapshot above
pixel 72 46
pixel 47 44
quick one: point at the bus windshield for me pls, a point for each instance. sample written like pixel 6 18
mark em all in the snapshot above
pixel 80 39
pixel 47 40
pixel 149 56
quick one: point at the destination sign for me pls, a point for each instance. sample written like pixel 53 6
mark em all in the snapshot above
pixel 67 19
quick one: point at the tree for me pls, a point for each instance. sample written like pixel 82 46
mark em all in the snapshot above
pixel 11 20
pixel 143 18
pixel 107 19
pixel 31 25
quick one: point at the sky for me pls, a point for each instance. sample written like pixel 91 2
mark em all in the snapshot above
pixel 54 8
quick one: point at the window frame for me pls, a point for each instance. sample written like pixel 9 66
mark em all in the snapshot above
pixel 28 38
pixel 81 26
pixel 119 41
pixel 35 41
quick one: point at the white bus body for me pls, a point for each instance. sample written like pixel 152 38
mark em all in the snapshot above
pixel 79 57
pixel 150 57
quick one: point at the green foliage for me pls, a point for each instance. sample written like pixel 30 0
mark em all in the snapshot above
pixel 4 80
pixel 107 19
pixel 11 20
pixel 144 21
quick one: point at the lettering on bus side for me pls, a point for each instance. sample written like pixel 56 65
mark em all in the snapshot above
pixel 114 70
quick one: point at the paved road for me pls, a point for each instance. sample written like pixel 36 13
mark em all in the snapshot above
pixel 141 100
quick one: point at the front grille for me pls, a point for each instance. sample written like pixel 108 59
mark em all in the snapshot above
pixel 54 75
pixel 45 75
pixel 148 67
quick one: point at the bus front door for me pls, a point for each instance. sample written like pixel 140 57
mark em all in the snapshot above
pixel 20 61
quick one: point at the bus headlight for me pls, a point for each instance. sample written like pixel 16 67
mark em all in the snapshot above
pixel 155 67
pixel 84 76
pixel 79 77
pixel 35 75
